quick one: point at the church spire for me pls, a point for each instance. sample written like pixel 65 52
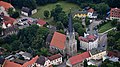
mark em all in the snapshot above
pixel 70 27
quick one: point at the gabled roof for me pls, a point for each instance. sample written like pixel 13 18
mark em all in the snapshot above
pixel 53 57
pixel 9 63
pixel 26 9
pixel 79 58
pixel 41 22
pixel 5 5
pixel 41 60
pixel 58 40
pixel 91 10
pixel 8 20
pixel 88 38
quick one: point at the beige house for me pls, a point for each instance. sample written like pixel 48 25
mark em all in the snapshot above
pixel 97 54
pixel 55 59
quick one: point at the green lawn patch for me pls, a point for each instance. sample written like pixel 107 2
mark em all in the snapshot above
pixel 65 5
pixel 105 27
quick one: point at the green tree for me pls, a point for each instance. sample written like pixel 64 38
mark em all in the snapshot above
pixel 44 51
pixel 11 11
pixel 85 63
pixel 87 21
pixel 16 15
pixel 0 30
pixel 46 13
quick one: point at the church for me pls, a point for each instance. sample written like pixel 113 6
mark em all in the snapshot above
pixel 65 44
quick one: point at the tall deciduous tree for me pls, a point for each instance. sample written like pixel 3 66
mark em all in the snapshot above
pixel 46 13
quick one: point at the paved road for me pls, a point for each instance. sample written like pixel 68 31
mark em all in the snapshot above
pixel 62 65
pixel 103 41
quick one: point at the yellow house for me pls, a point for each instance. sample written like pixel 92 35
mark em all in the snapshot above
pixel 80 14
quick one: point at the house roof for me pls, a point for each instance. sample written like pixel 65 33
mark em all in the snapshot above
pixel 5 5
pixel 58 40
pixel 9 63
pixel 53 57
pixel 96 51
pixel 25 9
pixel 41 60
pixel 88 38
pixel 8 20
pixel 79 58
pixel 91 10
pixel 41 22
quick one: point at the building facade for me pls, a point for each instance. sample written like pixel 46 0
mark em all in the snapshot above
pixel 88 42
pixel 66 44
pixel 115 13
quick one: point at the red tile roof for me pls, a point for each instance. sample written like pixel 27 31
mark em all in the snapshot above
pixel 88 38
pixel 91 10
pixel 41 22
pixel 79 58
pixel 30 62
pixel 5 5
pixel 115 12
pixel 8 63
pixel 58 40
pixel 8 20
pixel 56 56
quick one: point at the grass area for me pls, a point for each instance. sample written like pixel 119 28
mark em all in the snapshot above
pixel 105 27
pixel 65 5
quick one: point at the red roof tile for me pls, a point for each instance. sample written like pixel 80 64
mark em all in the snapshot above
pixel 8 63
pixel 8 20
pixel 30 62
pixel 88 38
pixel 58 40
pixel 56 56
pixel 5 5
pixel 91 10
pixel 41 22
pixel 79 58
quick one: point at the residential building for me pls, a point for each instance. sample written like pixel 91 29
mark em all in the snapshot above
pixel 91 13
pixel 6 5
pixel 80 14
pixel 27 11
pixel 77 61
pixel 3 12
pixel 97 54
pixel 115 13
pixel 43 62
pixel 8 22
pixel 21 59
pixel 55 59
pixel 41 22
pixel 66 44
pixel 88 42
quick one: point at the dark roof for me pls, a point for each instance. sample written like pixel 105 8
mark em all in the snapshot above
pixel 94 14
pixel 27 54
pixel 49 38
pixel 10 29
pixel 25 9
pixel 41 60
pixel 70 27
pixel 2 60
pixel 96 51
pixel 53 57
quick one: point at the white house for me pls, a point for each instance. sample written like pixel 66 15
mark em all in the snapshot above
pixel 55 59
pixel 91 13
pixel 27 11
pixel 88 42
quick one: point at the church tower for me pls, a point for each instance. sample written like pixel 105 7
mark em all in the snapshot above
pixel 71 43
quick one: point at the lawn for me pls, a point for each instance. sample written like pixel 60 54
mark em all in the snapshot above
pixel 65 5
pixel 105 27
